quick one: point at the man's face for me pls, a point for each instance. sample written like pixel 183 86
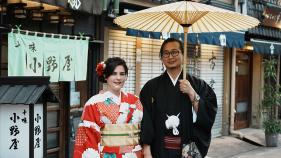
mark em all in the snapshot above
pixel 172 56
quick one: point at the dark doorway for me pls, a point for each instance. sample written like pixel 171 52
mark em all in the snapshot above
pixel 243 90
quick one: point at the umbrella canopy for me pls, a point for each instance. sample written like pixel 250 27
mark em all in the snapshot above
pixel 184 17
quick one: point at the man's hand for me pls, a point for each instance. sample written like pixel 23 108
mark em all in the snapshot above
pixel 186 88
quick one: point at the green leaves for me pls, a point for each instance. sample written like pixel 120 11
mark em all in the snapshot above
pixel 272 126
pixel 271 98
pixel 270 69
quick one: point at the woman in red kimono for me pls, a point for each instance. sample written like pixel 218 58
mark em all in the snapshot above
pixel 110 123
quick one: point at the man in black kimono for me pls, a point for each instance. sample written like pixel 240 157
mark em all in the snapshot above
pixel 176 111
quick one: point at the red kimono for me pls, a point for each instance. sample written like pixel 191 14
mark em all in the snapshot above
pixel 98 134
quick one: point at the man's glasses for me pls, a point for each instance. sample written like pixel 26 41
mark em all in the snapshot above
pixel 174 53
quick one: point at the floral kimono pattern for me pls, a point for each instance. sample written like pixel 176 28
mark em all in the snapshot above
pixel 102 110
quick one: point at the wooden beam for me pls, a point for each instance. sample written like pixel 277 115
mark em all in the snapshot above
pixel 53 129
pixel 53 150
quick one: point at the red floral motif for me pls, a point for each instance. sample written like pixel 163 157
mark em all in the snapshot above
pixel 100 68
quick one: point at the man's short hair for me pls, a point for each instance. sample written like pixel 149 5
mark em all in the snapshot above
pixel 168 41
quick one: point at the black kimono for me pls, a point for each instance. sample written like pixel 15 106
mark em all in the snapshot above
pixel 160 99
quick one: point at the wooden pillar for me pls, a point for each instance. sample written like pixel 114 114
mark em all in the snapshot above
pixel 227 93
pixel 256 90
pixel 232 89
pixel 64 119
pixel 138 66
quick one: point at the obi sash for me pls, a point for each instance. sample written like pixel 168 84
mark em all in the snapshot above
pixel 120 135
pixel 171 142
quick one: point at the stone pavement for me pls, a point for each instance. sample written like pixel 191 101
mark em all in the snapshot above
pixel 231 147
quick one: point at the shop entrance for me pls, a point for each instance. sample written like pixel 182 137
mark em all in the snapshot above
pixel 243 90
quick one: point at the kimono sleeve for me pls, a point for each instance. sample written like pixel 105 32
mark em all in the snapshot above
pixel 88 133
pixel 147 128
pixel 207 107
pixel 205 116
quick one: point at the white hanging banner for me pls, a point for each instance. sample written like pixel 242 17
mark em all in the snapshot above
pixel 61 59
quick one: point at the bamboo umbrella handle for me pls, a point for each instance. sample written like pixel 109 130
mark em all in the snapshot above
pixel 185 29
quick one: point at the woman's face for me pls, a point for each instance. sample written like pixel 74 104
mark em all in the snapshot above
pixel 117 79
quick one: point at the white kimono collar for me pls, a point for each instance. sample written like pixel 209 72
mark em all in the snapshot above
pixel 113 97
pixel 174 81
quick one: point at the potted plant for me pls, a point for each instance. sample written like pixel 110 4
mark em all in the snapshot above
pixel 271 99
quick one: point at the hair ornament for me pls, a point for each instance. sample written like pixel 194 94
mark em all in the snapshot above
pixel 100 68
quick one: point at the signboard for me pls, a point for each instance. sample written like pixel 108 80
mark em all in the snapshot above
pixel 88 6
pixel 272 16
pixel 75 4
pixel 61 59
pixel 38 130
pixel 14 133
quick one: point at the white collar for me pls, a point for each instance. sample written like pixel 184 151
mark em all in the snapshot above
pixel 174 81
pixel 113 97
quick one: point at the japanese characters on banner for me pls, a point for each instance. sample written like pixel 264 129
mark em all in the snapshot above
pixel 14 133
pixel 61 59
pixel 38 130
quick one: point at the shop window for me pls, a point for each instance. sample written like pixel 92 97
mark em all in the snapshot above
pixel 52 119
pixel 52 140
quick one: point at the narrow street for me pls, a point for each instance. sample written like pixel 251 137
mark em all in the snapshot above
pixel 231 147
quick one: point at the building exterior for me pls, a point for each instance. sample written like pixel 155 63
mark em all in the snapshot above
pixel 262 41
pixel 58 18
pixel 235 72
